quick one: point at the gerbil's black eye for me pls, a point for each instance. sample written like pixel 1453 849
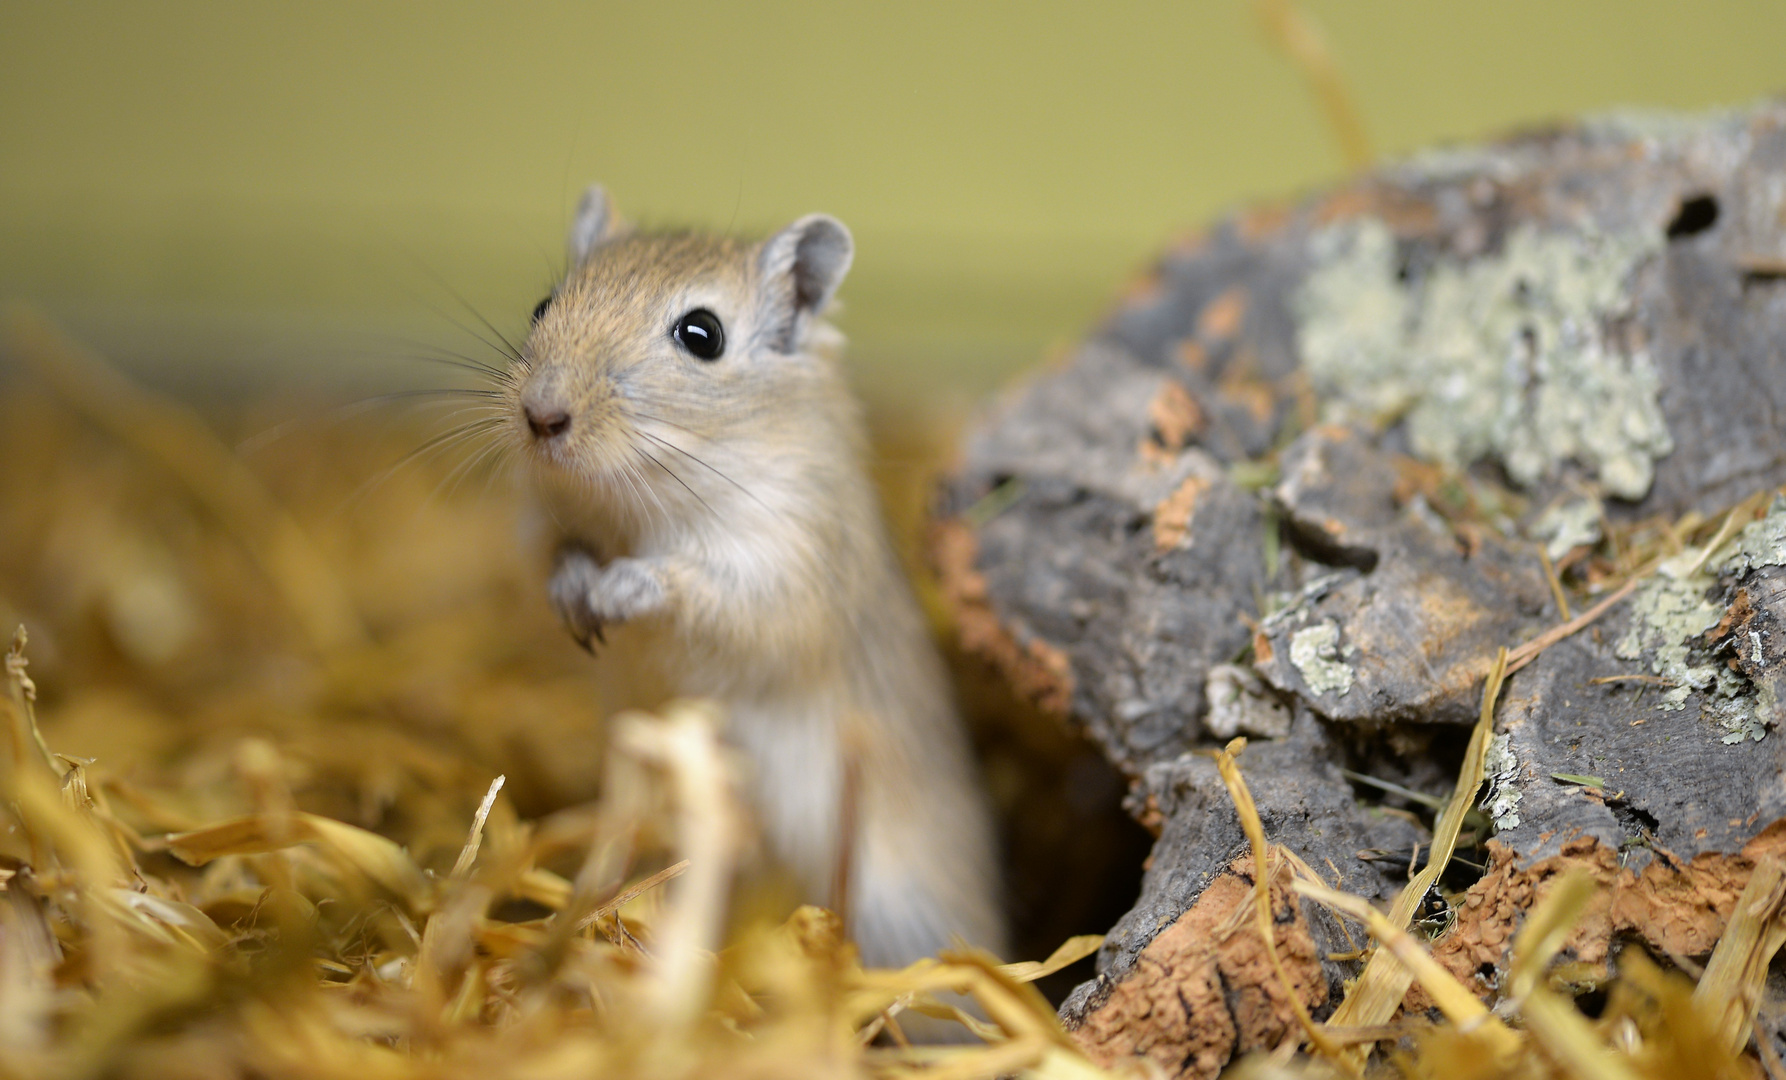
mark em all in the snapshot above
pixel 700 333
pixel 539 309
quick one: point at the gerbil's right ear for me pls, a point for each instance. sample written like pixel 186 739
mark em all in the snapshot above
pixel 802 266
pixel 595 223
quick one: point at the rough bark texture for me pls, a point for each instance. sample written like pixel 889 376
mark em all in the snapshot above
pixel 1203 990
pixel 1297 487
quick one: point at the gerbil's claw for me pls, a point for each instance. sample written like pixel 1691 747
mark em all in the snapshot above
pixel 589 638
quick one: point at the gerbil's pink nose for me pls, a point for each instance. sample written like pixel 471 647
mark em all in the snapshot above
pixel 546 421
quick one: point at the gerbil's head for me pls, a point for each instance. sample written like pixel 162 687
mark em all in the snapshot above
pixel 654 342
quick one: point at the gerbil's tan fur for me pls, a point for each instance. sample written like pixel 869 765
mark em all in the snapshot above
pixel 721 508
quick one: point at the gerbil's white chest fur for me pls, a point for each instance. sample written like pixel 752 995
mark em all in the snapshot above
pixel 680 400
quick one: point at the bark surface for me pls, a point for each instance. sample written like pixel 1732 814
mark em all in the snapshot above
pixel 1302 483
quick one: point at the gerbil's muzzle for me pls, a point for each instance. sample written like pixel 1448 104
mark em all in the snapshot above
pixel 546 420
pixel 570 418
pixel 546 405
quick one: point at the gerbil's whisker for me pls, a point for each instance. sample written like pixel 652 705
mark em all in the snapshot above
pixel 640 488
pixel 433 352
pixel 509 349
pixel 505 348
pixel 439 391
pixel 657 502
pixel 341 413
pixel 496 468
pixel 668 445
pixel 673 476
pixel 666 423
pixel 469 430
pixel 449 358
pixel 447 438
pixel 465 468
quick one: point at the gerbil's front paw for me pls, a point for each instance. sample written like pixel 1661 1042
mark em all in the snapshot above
pixel 589 596
pixel 627 589
pixel 573 582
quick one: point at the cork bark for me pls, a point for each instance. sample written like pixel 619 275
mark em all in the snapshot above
pixel 1315 460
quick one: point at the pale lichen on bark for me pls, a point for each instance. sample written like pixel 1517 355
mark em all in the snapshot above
pixel 1511 355
pixel 1315 652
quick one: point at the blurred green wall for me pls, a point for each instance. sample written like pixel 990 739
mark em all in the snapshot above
pixel 265 188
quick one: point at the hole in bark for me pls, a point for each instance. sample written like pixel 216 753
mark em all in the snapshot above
pixel 1694 216
pixel 1421 760
pixel 1634 820
pixel 1311 542
pixel 1592 1003
pixel 1072 855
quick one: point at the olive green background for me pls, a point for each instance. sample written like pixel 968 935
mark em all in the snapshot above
pixel 233 193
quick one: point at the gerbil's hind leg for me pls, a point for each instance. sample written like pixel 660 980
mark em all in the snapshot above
pixel 904 906
pixel 900 911
pixel 589 596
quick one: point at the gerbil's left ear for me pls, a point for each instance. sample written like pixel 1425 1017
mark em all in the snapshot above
pixel 802 265
pixel 595 223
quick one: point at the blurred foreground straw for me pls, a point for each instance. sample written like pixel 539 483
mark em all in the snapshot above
pixel 1292 30
pixel 282 943
pixel 167 432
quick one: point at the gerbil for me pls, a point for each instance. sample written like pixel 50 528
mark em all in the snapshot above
pixel 680 402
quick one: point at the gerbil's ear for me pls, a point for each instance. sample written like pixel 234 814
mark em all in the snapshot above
pixel 802 265
pixel 595 223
